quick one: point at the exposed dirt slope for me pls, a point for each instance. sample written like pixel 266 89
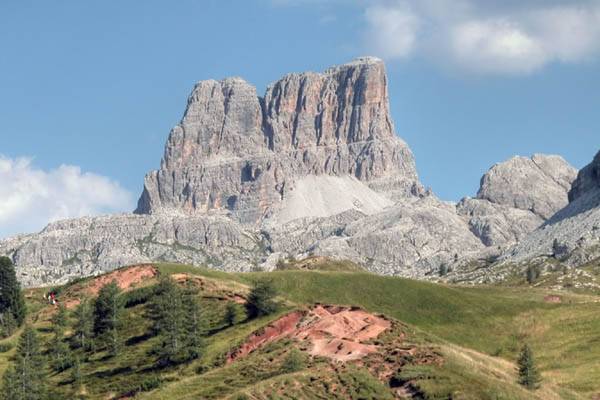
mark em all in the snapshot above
pixel 339 333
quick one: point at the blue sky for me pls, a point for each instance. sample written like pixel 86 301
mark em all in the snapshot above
pixel 89 90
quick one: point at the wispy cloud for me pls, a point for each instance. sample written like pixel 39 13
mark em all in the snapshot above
pixel 31 197
pixel 511 37
pixel 392 31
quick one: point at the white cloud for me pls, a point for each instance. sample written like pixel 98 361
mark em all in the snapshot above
pixel 511 37
pixel 31 197
pixel 392 30
pixel 496 46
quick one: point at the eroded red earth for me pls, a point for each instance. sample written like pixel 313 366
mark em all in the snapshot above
pixel 126 279
pixel 338 333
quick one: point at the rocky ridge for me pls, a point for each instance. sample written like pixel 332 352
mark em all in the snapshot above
pixel 313 167
pixel 572 235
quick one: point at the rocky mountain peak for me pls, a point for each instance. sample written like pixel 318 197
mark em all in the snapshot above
pixel 538 184
pixel 237 152
pixel 516 196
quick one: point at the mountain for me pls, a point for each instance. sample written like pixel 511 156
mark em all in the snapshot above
pixel 313 167
pixel 517 196
pixel 236 151
pixel 572 235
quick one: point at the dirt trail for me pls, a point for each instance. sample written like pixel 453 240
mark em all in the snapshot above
pixel 339 333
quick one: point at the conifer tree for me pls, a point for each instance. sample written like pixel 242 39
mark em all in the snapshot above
pixel 11 297
pixel 177 321
pixel 27 379
pixel 8 324
pixel 528 373
pixel 108 310
pixel 261 299
pixel 192 324
pixel 84 326
pixel 232 314
pixel 76 376
pixel 10 388
pixel 60 318
pixel 59 352
pixel 167 312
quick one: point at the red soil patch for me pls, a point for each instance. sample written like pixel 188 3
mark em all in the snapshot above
pixel 125 278
pixel 338 333
pixel 552 298
pixel 283 327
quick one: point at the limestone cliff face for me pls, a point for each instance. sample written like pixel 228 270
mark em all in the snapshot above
pixel 236 151
pixel 588 180
pixel 538 184
pixel 572 235
pixel 516 196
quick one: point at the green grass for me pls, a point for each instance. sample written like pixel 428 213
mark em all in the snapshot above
pixel 492 320
pixel 478 330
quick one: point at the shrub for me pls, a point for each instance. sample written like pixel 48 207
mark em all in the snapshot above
pixel 6 347
pixel 150 383
pixel 293 362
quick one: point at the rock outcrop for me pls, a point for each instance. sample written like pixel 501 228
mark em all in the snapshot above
pixel 539 184
pixel 517 196
pixel 239 152
pixel 572 235
pixel 588 180
pixel 88 246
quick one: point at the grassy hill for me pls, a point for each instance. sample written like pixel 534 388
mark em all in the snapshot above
pixel 445 342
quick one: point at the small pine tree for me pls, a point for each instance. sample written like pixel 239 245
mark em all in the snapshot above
pixel 59 352
pixel 192 325
pixel 178 321
pixel 232 314
pixel 27 379
pixel 10 388
pixel 532 274
pixel 84 326
pixel 528 373
pixel 60 318
pixel 261 299
pixel 11 297
pixel 443 270
pixel 108 311
pixel 167 311
pixel 8 324
pixel 76 376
